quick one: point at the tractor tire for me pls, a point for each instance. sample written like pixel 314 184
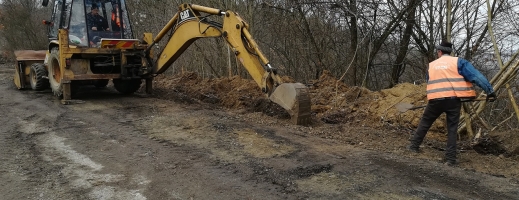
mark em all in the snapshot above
pixel 127 86
pixel 55 73
pixel 101 83
pixel 37 77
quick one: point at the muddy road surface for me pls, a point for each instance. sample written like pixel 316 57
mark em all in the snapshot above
pixel 110 146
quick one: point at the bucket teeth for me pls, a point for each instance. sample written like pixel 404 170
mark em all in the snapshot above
pixel 302 109
pixel 294 98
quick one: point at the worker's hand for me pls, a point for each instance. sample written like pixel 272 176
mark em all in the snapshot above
pixel 94 28
pixel 491 97
pixel 107 29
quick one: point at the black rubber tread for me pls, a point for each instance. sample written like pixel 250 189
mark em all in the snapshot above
pixel 38 76
pixel 127 86
pixel 101 83
pixel 57 87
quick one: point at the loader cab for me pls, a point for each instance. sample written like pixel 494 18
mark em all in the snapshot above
pixel 80 16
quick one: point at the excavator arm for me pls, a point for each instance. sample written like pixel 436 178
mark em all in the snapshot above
pixel 189 25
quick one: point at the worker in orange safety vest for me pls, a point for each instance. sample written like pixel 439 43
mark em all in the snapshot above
pixel 449 83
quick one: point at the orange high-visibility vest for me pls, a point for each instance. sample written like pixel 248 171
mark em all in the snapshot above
pixel 445 80
pixel 116 18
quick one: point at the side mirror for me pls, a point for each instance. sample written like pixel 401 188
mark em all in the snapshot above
pixel 44 3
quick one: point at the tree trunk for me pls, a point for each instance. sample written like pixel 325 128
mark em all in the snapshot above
pixel 398 66
pixel 353 39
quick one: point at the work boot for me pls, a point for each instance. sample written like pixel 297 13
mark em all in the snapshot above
pixel 413 148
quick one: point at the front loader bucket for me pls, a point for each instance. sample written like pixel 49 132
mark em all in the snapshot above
pixel 294 98
pixel 24 60
pixel 23 55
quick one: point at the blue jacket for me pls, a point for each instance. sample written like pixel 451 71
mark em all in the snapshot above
pixel 472 75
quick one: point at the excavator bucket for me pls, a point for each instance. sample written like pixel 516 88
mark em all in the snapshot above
pixel 294 98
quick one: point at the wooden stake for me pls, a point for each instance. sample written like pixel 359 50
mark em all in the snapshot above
pixel 501 123
pixel 466 115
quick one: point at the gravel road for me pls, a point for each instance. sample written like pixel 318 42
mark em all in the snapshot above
pixel 109 146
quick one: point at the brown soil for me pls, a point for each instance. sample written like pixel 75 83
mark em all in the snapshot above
pixel 351 115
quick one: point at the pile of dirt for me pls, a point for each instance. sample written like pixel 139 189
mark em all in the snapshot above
pixel 332 97
pixel 230 92
pixel 353 115
pixel 333 102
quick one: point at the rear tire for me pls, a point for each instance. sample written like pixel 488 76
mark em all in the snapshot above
pixel 55 73
pixel 37 77
pixel 127 86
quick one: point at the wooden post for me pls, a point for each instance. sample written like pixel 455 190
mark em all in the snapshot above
pixel 466 114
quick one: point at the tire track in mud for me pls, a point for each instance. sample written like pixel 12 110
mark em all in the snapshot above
pixel 175 170
pixel 43 166
pixel 311 167
pixel 25 175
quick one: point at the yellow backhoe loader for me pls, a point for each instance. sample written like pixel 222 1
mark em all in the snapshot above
pixel 85 51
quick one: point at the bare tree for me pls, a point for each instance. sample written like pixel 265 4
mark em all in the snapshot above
pixel 370 43
pixel 21 22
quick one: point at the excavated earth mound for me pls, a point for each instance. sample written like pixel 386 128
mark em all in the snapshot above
pixel 333 102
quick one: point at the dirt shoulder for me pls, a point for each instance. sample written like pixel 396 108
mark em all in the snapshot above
pixel 349 115
pixel 174 145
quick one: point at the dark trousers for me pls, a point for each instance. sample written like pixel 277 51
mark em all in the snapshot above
pixel 434 109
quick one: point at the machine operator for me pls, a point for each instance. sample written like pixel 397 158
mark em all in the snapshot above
pixel 95 21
